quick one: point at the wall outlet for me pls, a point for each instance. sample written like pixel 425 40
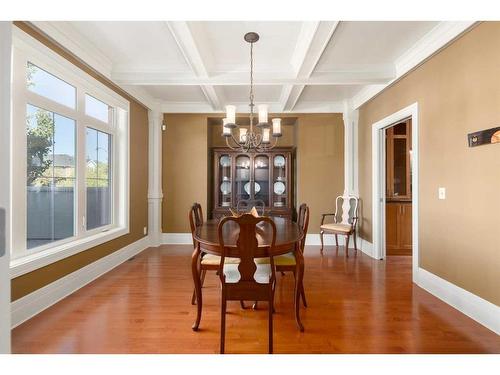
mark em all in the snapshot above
pixel 442 193
pixel 145 230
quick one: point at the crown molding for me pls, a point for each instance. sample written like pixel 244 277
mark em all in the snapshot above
pixel 65 35
pixel 431 43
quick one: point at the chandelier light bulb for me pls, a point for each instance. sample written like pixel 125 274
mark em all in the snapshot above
pixel 230 116
pixel 243 135
pixel 277 127
pixel 263 122
pixel 265 135
pixel 226 131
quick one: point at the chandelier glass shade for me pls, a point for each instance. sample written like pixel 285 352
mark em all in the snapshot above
pixel 256 138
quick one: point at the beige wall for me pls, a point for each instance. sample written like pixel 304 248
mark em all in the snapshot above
pixel 32 281
pixel 320 163
pixel 185 165
pixel 318 139
pixel 458 92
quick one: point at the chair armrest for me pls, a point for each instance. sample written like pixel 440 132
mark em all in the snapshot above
pixel 325 215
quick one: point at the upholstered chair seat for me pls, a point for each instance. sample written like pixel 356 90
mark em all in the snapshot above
pixel 214 260
pixel 287 259
pixel 342 228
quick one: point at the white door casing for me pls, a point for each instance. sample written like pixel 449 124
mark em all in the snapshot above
pixel 5 106
pixel 378 182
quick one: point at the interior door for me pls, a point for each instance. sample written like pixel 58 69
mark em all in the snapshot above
pixel 5 74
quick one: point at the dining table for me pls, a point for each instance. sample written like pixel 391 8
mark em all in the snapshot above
pixel 288 237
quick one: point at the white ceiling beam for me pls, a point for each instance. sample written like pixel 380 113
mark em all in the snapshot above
pixel 312 42
pixel 274 107
pixel 377 75
pixel 187 44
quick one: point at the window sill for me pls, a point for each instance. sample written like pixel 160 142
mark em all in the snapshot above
pixel 29 263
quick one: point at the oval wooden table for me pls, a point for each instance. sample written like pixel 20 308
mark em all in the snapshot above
pixel 288 235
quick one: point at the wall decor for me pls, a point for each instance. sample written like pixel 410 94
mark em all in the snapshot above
pixel 484 137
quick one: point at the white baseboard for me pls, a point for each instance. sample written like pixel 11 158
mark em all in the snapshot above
pixel 482 311
pixel 176 239
pixel 37 301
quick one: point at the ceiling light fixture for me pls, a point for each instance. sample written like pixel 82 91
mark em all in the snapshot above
pixel 248 138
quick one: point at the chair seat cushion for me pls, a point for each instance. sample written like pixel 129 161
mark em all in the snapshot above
pixel 287 259
pixel 262 274
pixel 340 228
pixel 214 260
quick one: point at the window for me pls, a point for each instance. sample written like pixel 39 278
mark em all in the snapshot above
pixel 45 84
pixel 97 109
pixel 98 179
pixel 70 177
pixel 50 176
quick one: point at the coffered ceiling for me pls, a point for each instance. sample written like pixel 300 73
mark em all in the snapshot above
pixel 299 66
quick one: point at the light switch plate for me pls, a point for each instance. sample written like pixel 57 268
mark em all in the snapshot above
pixel 442 193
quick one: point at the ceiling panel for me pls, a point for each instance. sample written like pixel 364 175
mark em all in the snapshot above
pixel 364 45
pixel 149 45
pixel 225 49
pixel 176 93
pixel 241 93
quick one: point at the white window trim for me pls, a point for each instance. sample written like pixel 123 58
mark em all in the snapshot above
pixel 26 48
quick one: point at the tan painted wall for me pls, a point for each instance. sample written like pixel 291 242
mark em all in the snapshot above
pixel 458 92
pixel 185 165
pixel 320 163
pixel 320 156
pixel 32 281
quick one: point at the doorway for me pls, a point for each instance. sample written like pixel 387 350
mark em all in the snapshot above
pixel 379 189
pixel 398 189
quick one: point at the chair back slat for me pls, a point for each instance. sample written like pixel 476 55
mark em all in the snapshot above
pixel 246 246
pixel 195 218
pixel 348 205
pixel 303 222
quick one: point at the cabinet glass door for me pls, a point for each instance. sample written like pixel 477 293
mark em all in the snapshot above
pixel 242 178
pixel 399 167
pixel 280 188
pixel 261 178
pixel 225 180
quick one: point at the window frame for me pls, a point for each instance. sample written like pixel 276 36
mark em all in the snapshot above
pixel 27 49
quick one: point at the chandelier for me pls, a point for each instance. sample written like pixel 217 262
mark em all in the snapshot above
pixel 247 139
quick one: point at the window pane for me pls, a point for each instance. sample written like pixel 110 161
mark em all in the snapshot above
pixel 45 84
pixel 96 109
pixel 50 176
pixel 98 178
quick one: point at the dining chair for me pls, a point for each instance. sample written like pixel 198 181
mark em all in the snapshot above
pixel 287 262
pixel 247 280
pixel 207 262
pixel 245 205
pixel 345 219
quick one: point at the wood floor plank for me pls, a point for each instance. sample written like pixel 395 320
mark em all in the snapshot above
pixel 356 305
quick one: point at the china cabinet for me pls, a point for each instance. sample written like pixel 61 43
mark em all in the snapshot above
pixel 255 175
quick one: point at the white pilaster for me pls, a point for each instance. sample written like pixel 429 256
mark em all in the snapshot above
pixel 350 118
pixel 5 166
pixel 155 192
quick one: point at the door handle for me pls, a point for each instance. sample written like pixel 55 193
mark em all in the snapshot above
pixel 2 232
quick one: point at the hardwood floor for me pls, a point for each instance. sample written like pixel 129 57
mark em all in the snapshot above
pixel 358 305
